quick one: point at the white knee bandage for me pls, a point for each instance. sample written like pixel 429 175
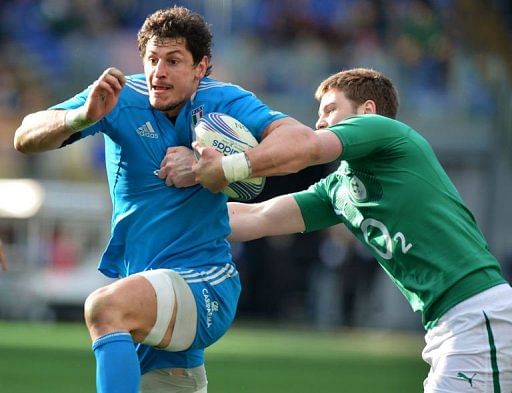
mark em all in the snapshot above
pixel 165 300
pixel 172 292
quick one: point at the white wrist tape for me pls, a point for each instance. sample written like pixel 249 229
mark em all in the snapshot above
pixel 76 120
pixel 236 167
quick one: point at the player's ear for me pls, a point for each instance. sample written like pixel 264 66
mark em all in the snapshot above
pixel 201 68
pixel 369 107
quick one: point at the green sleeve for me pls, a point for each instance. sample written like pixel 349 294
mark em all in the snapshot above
pixel 315 207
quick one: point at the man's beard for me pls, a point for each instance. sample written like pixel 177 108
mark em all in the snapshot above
pixel 169 107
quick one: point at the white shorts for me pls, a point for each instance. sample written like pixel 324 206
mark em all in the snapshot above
pixel 470 349
pixel 163 381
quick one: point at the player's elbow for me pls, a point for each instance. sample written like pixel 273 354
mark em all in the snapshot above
pixel 23 143
pixel 315 149
pixel 30 136
pixel 308 150
pixel 324 147
pixel 292 148
pixel 20 141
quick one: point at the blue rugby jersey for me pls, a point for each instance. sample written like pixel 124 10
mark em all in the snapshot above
pixel 155 226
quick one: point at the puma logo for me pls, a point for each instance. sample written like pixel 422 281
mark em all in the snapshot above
pixel 466 378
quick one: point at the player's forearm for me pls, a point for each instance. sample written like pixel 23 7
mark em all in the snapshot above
pixel 284 151
pixel 42 131
pixel 292 147
pixel 277 216
pixel 244 222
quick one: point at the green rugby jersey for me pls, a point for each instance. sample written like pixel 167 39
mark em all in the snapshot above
pixel 393 194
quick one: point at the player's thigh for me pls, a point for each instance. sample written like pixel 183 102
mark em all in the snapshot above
pixel 459 372
pixel 471 348
pixel 194 308
pixel 216 296
pixel 191 380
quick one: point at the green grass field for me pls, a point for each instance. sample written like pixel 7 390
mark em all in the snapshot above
pixel 57 358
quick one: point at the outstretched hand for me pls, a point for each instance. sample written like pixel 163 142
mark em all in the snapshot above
pixel 3 258
pixel 208 168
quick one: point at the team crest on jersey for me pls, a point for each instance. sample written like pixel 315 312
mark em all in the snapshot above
pixel 357 189
pixel 344 207
pixel 197 114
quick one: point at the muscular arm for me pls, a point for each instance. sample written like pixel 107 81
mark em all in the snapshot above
pixel 288 146
pixel 42 131
pixel 47 130
pixel 277 216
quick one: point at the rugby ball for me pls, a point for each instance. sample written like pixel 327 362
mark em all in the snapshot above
pixel 228 136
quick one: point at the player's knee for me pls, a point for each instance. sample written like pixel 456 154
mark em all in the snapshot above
pixel 100 308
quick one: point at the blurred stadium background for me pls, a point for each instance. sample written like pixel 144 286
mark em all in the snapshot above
pixel 452 63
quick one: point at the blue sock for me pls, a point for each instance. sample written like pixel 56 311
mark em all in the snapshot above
pixel 117 364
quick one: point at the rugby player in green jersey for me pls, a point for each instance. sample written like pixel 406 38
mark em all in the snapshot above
pixel 392 193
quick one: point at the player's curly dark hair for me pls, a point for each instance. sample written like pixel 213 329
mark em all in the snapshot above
pixel 178 22
pixel 362 84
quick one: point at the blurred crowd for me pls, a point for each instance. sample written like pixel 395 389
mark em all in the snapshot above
pixel 280 50
pixel 54 48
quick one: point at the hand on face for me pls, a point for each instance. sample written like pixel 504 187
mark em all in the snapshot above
pixel 208 168
pixel 176 167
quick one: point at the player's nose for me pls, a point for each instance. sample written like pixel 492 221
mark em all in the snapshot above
pixel 321 123
pixel 160 69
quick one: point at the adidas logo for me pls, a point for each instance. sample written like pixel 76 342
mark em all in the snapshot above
pixel 146 130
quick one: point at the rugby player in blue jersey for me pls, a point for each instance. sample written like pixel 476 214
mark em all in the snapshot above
pixel 178 286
